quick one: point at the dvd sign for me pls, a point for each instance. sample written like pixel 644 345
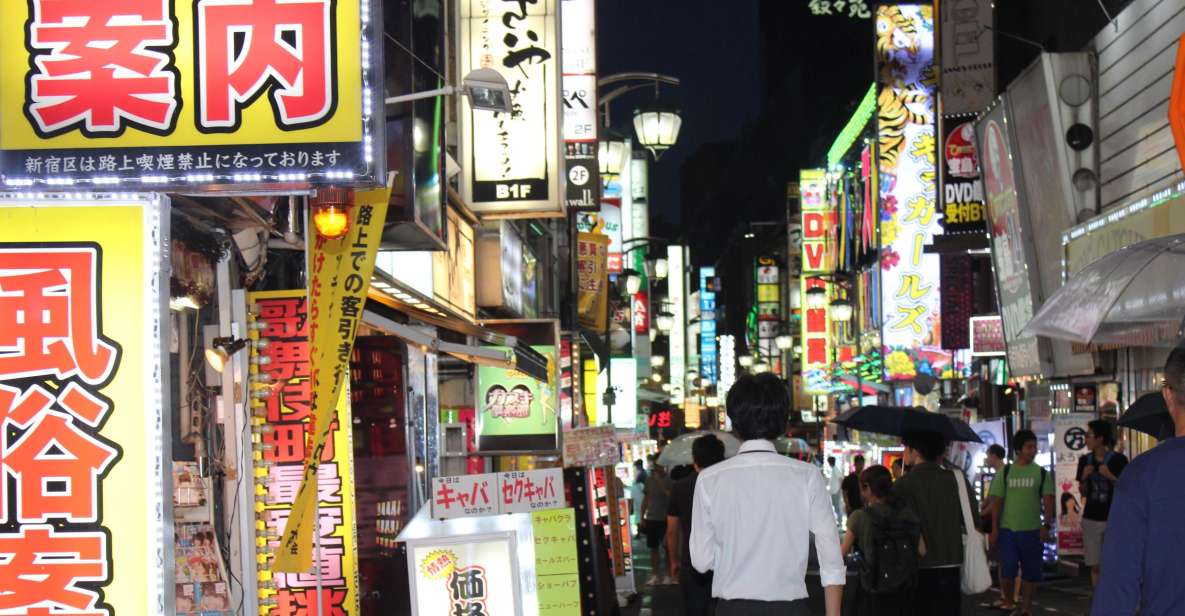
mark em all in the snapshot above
pixel 962 195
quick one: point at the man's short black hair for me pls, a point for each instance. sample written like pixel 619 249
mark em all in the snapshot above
pixel 929 444
pixel 1102 429
pixel 707 450
pixel 759 405
pixel 859 459
pixel 997 451
pixel 1022 437
pixel 1174 370
pixel 831 460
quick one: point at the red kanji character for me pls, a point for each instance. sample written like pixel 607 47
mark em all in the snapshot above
pixel 444 496
pixel 290 401
pixel 42 567
pixel 57 466
pixel 287 441
pixel 49 307
pixel 290 42
pixel 285 317
pixel 95 66
pixel 304 602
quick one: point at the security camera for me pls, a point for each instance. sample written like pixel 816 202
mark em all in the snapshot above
pixel 487 90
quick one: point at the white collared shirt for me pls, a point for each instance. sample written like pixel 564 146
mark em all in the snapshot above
pixel 753 515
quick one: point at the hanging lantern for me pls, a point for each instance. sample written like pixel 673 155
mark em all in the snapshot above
pixel 612 153
pixel 657 125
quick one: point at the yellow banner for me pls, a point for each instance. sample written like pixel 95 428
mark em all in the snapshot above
pixel 81 407
pixel 339 277
pixel 280 455
pixel 592 261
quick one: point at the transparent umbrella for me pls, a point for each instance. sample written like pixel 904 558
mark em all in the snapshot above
pixel 678 451
pixel 1133 296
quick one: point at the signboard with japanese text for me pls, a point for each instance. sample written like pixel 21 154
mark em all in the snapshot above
pixel 707 326
pixel 592 280
pixel 283 447
pixel 817 220
pixel 592 446
pixel 514 411
pixel 1010 246
pixel 469 574
pixel 339 277
pixel 1069 435
pixel 677 259
pixel 579 81
pixel 624 382
pixel 987 336
pixel 968 55
pixel 528 491
pixel 767 275
pixel 907 157
pixel 854 9
pixel 148 95
pixel 497 493
pixel 556 567
pixel 510 162
pixel 608 220
pixel 963 211
pixel 83 390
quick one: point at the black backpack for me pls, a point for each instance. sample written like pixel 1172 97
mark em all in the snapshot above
pixel 890 564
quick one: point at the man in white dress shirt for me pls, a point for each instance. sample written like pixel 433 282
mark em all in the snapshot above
pixel 754 514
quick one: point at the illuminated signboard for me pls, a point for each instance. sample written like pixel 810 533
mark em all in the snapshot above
pixel 624 379
pixel 469 574
pixel 510 162
pixel 83 384
pixel 907 159
pixel 582 174
pixel 707 326
pixel 148 95
pixel 769 309
pixel 514 411
pixel 816 322
pixel 728 371
pixel 677 291
pixel 282 448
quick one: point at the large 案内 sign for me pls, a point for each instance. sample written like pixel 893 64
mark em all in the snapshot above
pixel 83 390
pixel 1010 247
pixel 582 173
pixel 147 94
pixel 510 162
pixel 963 211
pixel 283 448
pixel 514 411
pixel 815 321
pixel 907 157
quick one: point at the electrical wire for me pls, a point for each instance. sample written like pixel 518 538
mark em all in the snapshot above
pixel 413 55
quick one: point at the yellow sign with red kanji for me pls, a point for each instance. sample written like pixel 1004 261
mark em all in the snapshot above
pixel 150 94
pixel 82 427
pixel 817 221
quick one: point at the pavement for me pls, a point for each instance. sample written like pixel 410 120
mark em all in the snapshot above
pixel 1057 595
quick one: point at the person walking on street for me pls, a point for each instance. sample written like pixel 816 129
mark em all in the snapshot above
pixel 636 494
pixel 897 468
pixel 1142 568
pixel 696 587
pixel 834 483
pixel 754 515
pixel 851 487
pixel 1098 471
pixel 655 502
pixel 887 535
pixel 996 459
pixel 1022 491
pixel 932 493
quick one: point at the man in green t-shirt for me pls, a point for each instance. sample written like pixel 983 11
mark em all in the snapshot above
pixel 1020 490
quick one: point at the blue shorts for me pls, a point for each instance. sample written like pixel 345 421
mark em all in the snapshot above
pixel 1023 551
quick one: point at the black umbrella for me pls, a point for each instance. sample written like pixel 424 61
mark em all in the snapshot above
pixel 1149 414
pixel 899 420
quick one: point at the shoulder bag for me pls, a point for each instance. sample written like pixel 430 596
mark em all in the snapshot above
pixel 976 576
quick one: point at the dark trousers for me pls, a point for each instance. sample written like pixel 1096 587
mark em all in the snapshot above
pixel 697 592
pixel 939 592
pixel 747 607
pixel 896 604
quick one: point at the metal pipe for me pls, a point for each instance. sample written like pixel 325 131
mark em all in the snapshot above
pixel 407 98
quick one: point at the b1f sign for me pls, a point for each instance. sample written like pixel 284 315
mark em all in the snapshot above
pixel 510 162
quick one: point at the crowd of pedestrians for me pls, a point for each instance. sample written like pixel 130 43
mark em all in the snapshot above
pixel 738 531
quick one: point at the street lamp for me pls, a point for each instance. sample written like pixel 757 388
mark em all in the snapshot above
pixel 657 125
pixel 816 297
pixel 633 281
pixel 841 310
pixel 746 361
pixel 665 322
pixel 784 342
pixel 661 268
pixel 761 367
pixel 657 361
pixel 612 153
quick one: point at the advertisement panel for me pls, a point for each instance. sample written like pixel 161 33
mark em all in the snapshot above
pixel 469 574
pixel 453 269
pixel 152 95
pixel 582 174
pixel 962 192
pixel 624 380
pixel 514 411
pixel 677 293
pixel 1069 432
pixel 968 56
pixel 912 333
pixel 707 326
pixel 728 370
pixel 1010 246
pixel 282 446
pixel 769 309
pixel 510 162
pixel 817 221
pixel 987 336
pixel 82 385
pixel 592 280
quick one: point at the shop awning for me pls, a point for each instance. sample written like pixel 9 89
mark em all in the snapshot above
pixel 519 357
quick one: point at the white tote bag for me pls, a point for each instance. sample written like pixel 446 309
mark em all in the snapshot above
pixel 976 576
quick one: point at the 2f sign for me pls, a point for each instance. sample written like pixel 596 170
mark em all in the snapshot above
pixel 513 191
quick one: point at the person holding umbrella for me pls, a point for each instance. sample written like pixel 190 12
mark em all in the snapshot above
pixel 1142 566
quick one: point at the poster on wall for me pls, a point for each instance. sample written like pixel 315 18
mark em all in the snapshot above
pixel 473 574
pixel 1069 433
pixel 283 448
pixel 962 192
pixel 516 413
pixel 907 157
pixel 84 391
pixel 510 162
pixel 155 95
pixel 1011 251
